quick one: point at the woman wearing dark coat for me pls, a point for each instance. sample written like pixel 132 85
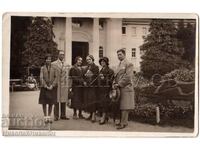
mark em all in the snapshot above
pixel 48 92
pixel 76 74
pixel 105 83
pixel 90 86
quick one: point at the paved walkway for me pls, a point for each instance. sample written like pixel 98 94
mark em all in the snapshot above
pixel 27 114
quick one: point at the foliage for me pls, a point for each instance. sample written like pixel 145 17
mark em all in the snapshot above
pixel 39 42
pixel 169 114
pixel 19 31
pixel 186 35
pixel 162 51
pixel 183 74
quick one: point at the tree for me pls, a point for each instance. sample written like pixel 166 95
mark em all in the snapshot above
pixel 19 31
pixel 162 50
pixel 186 35
pixel 39 42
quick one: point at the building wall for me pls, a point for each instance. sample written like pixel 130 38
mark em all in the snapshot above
pixel 133 39
pixel 110 38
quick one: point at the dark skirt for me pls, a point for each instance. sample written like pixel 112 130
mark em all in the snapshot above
pixel 77 99
pixel 90 99
pixel 48 96
pixel 103 99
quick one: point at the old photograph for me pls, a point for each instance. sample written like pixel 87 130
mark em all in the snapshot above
pixel 100 74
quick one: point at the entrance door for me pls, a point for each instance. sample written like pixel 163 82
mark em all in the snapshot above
pixel 80 49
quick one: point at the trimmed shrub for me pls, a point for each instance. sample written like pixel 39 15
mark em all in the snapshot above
pixel 183 74
pixel 170 114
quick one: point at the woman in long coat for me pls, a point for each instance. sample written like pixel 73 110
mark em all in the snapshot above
pixel 90 86
pixel 105 83
pixel 76 74
pixel 48 92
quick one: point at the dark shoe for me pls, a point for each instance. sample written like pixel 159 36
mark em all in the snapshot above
pixel 118 124
pixel 64 118
pixel 46 120
pixel 49 119
pixel 75 117
pixel 104 121
pixel 89 118
pixel 81 116
pixel 55 119
pixel 121 127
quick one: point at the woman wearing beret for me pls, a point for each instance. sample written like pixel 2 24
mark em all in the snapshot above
pixel 105 84
pixel 76 74
pixel 48 92
pixel 90 86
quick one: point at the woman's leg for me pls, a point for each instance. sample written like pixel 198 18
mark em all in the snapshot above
pixel 93 117
pixel 50 109
pixel 74 112
pixel 80 115
pixel 44 109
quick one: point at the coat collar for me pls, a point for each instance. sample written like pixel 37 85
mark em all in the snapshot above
pixel 121 66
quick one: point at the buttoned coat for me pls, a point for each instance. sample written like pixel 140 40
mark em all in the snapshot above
pixel 124 78
pixel 63 80
pixel 76 75
pixel 48 77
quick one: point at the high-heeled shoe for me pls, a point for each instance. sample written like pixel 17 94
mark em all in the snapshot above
pixel 46 120
pixel 50 119
pixel 89 118
pixel 80 116
pixel 121 126
pixel 75 117
pixel 104 121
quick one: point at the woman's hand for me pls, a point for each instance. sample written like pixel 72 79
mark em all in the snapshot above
pixel 115 86
pixel 101 76
pixel 84 83
pixel 50 87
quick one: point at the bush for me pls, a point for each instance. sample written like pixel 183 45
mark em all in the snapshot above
pixel 169 114
pixel 144 113
pixel 183 74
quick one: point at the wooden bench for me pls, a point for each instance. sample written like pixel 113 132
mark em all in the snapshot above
pixel 16 83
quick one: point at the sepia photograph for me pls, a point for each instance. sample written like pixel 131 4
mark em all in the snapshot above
pixel 100 74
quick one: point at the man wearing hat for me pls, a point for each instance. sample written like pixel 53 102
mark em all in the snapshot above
pixel 123 81
pixel 62 90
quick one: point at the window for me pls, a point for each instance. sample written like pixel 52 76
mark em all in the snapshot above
pixel 123 30
pixel 134 32
pixel 100 51
pixel 133 52
pixel 144 29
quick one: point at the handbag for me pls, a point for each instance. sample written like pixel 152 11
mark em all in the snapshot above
pixel 70 93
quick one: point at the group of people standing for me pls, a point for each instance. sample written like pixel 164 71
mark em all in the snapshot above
pixel 90 87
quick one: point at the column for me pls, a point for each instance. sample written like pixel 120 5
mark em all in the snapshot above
pixel 113 40
pixel 68 41
pixel 95 50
